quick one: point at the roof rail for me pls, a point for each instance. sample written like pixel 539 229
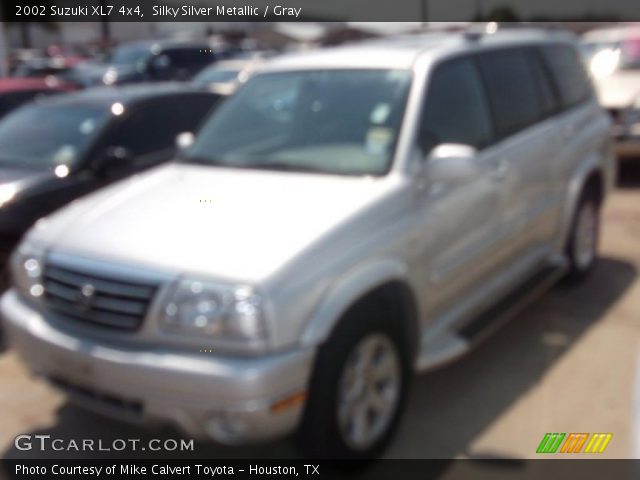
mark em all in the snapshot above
pixel 477 30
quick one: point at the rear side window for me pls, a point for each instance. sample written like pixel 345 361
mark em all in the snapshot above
pixel 512 89
pixel 549 102
pixel 568 73
pixel 456 109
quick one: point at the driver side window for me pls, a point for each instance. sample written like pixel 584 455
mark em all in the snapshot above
pixel 456 108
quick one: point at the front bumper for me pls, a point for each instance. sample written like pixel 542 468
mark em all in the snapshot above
pixel 231 400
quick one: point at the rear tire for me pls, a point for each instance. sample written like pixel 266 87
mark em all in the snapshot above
pixel 358 388
pixel 582 247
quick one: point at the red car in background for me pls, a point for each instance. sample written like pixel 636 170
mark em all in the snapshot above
pixel 17 91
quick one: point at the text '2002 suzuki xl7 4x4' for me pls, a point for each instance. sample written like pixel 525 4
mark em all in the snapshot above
pixel 349 217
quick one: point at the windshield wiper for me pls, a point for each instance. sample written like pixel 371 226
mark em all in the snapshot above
pixel 288 167
pixel 202 160
pixel 276 166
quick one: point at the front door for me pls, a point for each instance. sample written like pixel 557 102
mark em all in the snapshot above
pixel 461 220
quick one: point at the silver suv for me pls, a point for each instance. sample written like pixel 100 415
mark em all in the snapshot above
pixel 348 218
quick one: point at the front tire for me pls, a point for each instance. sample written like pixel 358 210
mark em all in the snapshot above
pixel 358 389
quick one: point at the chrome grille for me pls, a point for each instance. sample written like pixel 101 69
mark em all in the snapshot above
pixel 96 298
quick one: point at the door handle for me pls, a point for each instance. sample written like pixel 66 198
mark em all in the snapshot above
pixel 500 170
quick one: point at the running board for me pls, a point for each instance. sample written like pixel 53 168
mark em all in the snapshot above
pixel 454 344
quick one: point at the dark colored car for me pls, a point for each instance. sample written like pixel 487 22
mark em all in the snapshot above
pixel 15 92
pixel 54 151
pixel 145 62
pixel 42 67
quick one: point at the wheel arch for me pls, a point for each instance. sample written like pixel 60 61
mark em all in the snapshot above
pixel 384 282
pixel 591 175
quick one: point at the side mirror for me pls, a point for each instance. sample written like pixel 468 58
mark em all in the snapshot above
pixel 115 160
pixel 451 163
pixel 184 140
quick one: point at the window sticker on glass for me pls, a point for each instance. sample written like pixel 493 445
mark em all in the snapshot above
pixel 88 126
pixel 380 113
pixel 65 154
pixel 378 140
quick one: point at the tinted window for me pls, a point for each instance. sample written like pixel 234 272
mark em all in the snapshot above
pixel 549 102
pixel 568 72
pixel 130 55
pixel 513 92
pixel 189 57
pixel 456 109
pixel 13 100
pixel 46 136
pixel 149 128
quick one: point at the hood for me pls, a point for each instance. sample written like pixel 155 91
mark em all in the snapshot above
pixel 618 90
pixel 222 223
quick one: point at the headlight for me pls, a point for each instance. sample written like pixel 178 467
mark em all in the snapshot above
pixel 110 77
pixel 26 266
pixel 231 313
pixel 7 192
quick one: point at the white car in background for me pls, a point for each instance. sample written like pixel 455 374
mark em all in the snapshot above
pixel 613 56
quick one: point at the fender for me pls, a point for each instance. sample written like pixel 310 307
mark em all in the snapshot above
pixel 346 291
pixel 592 164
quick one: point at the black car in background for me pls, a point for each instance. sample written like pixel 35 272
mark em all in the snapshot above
pixel 63 147
pixel 145 62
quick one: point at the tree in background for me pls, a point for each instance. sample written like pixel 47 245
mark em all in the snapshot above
pixel 4 52
pixel 24 27
pixel 502 14
pixel 105 26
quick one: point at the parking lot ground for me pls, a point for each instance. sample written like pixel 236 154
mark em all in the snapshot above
pixel 570 362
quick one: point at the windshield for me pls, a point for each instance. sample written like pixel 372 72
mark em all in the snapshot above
pixel 216 75
pixel 605 57
pixel 330 121
pixel 129 56
pixel 47 136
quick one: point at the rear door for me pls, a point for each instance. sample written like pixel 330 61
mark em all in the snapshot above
pixel 523 103
pixel 580 127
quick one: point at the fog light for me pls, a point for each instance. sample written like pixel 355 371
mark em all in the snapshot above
pixel 226 426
